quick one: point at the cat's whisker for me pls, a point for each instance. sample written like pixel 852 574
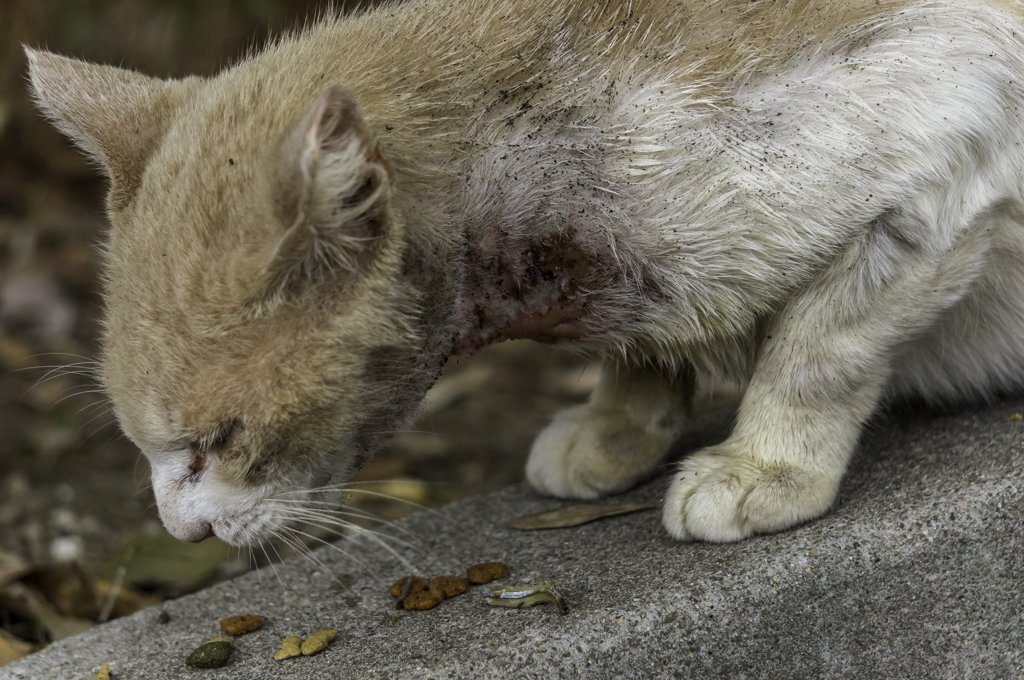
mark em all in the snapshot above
pixel 78 394
pixel 93 418
pixel 325 521
pixel 375 536
pixel 94 405
pixel 271 562
pixel 348 511
pixel 274 548
pixel 289 538
pixel 337 549
pixel 254 561
pixel 85 359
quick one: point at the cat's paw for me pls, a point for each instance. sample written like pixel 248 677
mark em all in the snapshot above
pixel 721 495
pixel 587 453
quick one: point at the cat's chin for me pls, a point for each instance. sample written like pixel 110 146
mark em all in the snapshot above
pixel 244 531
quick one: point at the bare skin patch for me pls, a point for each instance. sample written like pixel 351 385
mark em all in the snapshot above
pixel 547 288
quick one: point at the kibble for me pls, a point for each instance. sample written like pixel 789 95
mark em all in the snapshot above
pixel 239 625
pixel 419 584
pixel 318 641
pixel 449 586
pixel 290 647
pixel 427 599
pixel 212 654
pixel 487 572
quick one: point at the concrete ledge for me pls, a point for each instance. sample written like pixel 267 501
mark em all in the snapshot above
pixel 917 572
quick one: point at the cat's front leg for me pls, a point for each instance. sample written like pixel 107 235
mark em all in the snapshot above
pixel 820 374
pixel 797 426
pixel 615 440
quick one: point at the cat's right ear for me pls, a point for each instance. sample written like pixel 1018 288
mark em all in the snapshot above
pixel 117 116
pixel 332 183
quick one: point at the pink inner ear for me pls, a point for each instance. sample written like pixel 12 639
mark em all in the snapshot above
pixel 331 123
pixel 336 118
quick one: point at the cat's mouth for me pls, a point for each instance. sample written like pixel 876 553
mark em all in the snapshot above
pixel 243 531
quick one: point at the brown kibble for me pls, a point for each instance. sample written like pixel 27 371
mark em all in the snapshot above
pixel 449 586
pixel 290 647
pixel 239 625
pixel 487 572
pixel 419 584
pixel 318 641
pixel 427 599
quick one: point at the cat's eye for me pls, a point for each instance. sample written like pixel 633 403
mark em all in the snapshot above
pixel 218 440
pixel 214 443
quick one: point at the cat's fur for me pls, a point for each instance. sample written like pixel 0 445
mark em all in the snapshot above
pixel 821 199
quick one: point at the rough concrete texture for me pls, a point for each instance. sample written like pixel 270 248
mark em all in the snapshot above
pixel 917 572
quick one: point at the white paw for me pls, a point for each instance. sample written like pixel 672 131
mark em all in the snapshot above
pixel 722 496
pixel 588 452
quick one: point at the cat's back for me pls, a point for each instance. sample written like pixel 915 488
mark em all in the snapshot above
pixel 724 38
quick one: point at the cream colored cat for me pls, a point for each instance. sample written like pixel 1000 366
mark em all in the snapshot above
pixel 824 200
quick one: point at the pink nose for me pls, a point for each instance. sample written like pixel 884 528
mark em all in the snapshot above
pixel 193 533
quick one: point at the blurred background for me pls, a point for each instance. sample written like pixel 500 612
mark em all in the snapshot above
pixel 80 539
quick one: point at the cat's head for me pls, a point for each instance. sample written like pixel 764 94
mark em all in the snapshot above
pixel 256 324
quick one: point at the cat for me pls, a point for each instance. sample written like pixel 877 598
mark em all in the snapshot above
pixel 821 199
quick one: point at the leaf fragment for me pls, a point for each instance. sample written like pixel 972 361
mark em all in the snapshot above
pixel 528 596
pixel 575 514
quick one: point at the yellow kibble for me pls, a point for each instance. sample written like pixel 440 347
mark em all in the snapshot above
pixel 290 646
pixel 318 641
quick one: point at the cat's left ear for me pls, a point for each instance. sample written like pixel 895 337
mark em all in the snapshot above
pixel 332 184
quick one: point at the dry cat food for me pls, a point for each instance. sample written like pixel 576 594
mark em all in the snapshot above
pixel 487 572
pixel 293 645
pixel 417 593
pixel 239 625
pixel 290 647
pixel 449 586
pixel 318 641
pixel 212 654
pixel 428 599
pixel 419 584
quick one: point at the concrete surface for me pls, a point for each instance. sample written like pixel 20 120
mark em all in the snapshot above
pixel 918 572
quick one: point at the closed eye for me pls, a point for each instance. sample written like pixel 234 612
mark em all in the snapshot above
pixel 215 443
pixel 219 439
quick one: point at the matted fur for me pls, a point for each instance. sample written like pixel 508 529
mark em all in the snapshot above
pixel 821 200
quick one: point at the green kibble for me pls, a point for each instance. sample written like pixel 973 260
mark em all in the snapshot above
pixel 213 654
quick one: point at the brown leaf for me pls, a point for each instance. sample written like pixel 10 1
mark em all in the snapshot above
pixel 39 610
pixel 12 649
pixel 574 515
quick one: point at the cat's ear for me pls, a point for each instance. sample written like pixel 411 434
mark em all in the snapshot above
pixel 117 116
pixel 332 184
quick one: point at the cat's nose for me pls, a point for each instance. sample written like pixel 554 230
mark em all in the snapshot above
pixel 195 533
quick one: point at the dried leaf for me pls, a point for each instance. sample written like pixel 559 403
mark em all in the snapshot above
pixel 162 560
pixel 12 649
pixel 528 596
pixel 575 514
pixel 57 625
